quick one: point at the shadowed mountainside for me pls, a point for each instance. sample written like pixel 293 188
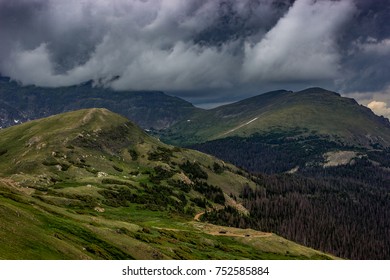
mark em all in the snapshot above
pixel 149 109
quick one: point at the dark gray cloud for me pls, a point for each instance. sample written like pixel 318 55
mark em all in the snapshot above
pixel 206 50
pixel 365 48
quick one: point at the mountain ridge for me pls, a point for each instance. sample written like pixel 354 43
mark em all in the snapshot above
pixel 315 110
pixel 149 109
pixel 90 184
pixel 107 180
pixel 179 122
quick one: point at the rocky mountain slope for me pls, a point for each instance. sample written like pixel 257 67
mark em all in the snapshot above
pixel 311 154
pixel 89 184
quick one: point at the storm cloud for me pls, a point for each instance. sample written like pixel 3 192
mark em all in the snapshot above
pixel 201 49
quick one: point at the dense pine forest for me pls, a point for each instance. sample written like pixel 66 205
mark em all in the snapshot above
pixel 273 152
pixel 343 210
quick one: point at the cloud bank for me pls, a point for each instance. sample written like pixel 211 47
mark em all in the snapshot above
pixel 196 47
pixel 302 45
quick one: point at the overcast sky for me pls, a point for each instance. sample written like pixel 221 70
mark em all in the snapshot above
pixel 206 51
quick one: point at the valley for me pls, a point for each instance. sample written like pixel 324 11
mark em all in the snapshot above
pixel 195 130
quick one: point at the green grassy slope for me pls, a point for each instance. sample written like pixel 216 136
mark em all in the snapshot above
pixel 314 111
pixel 90 184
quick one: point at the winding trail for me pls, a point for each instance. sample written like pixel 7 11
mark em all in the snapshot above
pixel 227 231
pixel 221 230
pixel 197 216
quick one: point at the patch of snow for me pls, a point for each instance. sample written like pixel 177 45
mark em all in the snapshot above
pixel 294 170
pixel 251 121
pixel 240 126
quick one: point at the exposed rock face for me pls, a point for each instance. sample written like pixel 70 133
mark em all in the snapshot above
pixel 340 158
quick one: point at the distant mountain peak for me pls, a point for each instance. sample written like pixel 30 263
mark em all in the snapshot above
pixel 317 90
pixel 314 110
pixel 149 109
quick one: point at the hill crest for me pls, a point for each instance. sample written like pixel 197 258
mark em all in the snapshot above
pixel 314 110
pixel 91 184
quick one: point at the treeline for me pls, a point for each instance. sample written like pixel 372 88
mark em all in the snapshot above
pixel 343 210
pixel 162 192
pixel 270 153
